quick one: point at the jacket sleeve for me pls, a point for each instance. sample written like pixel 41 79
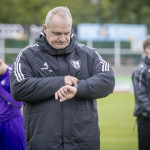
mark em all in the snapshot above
pixel 100 84
pixel 141 91
pixel 25 87
pixel 8 97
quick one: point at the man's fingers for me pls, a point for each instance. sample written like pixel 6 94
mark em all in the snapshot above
pixel 70 80
pixel 56 96
pixel 65 93
pixel 61 93
pixel 74 81
pixel 61 100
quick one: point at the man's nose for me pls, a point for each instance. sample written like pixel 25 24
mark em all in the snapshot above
pixel 62 37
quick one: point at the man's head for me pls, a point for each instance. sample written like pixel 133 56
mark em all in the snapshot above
pixel 146 46
pixel 3 66
pixel 58 26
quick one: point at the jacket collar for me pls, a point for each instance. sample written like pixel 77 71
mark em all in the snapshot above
pixel 147 60
pixel 46 47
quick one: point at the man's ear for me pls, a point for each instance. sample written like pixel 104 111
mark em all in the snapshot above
pixel 45 28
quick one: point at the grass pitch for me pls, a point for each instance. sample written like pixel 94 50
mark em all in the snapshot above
pixel 117 123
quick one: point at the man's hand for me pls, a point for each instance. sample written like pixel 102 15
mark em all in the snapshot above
pixel 70 80
pixel 66 92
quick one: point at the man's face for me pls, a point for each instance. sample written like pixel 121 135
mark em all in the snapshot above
pixel 147 51
pixel 58 33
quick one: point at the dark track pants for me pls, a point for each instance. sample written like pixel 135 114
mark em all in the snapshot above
pixel 143 133
pixel 12 134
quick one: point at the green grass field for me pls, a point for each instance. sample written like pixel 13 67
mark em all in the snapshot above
pixel 117 123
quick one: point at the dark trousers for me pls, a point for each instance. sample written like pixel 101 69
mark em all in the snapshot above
pixel 143 133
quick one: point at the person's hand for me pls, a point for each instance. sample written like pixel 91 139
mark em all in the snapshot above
pixel 66 92
pixel 70 80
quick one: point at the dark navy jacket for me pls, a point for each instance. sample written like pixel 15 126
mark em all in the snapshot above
pixel 38 73
pixel 141 82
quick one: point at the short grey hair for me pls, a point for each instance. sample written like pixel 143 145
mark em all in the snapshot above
pixel 62 11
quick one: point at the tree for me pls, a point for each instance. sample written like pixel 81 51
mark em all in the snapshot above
pixel 83 11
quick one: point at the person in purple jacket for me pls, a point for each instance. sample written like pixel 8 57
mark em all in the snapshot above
pixel 12 133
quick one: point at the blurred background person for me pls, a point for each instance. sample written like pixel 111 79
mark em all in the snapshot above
pixel 141 82
pixel 12 134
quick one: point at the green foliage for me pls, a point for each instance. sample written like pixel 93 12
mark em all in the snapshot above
pixel 117 123
pixel 83 11
pixel 34 12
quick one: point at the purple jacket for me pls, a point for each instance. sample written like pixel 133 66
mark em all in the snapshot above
pixel 9 108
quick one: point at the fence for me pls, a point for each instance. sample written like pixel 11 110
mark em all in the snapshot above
pixel 117 54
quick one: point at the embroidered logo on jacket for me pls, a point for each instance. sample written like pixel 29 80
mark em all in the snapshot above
pixel 76 63
pixel 46 67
